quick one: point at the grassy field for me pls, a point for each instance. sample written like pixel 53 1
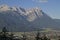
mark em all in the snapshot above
pixel 52 34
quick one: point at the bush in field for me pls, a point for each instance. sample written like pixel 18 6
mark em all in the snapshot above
pixel 39 37
pixel 45 37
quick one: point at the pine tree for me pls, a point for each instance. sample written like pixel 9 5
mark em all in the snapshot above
pixel 4 33
pixel 38 36
pixel 24 36
pixel 4 30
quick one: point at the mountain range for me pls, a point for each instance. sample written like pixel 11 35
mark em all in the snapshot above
pixel 20 19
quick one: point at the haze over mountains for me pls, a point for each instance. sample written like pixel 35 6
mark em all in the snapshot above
pixel 20 19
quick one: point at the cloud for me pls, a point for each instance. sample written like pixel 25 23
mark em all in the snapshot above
pixel 40 1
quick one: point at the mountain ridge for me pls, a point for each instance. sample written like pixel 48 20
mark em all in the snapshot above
pixel 20 19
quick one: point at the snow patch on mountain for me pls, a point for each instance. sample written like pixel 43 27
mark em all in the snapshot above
pixel 34 13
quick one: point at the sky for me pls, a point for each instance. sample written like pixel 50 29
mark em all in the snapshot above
pixel 50 7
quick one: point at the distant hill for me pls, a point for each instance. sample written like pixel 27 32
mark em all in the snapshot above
pixel 57 20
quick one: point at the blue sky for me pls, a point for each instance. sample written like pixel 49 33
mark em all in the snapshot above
pixel 50 7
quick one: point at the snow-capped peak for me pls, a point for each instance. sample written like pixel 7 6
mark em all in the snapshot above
pixel 4 7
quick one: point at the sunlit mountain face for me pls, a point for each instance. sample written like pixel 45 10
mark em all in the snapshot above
pixel 20 19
